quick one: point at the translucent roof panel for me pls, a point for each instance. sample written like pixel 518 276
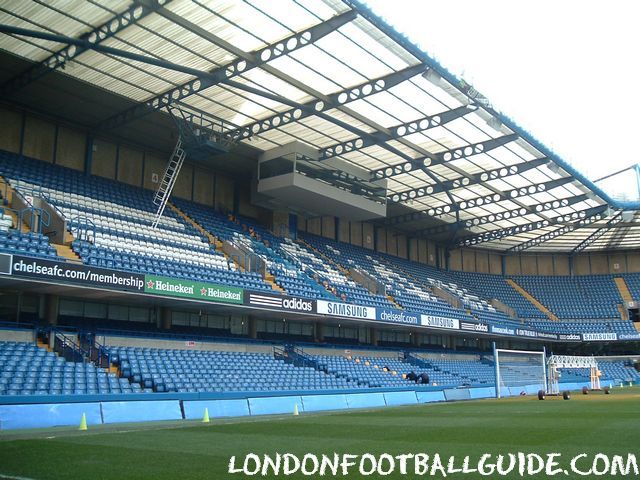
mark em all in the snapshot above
pixel 331 74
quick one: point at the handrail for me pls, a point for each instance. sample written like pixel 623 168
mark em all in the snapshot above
pixel 42 216
pixel 51 204
pixel 67 348
pixel 85 226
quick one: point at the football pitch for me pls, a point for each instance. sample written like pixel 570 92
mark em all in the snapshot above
pixel 587 424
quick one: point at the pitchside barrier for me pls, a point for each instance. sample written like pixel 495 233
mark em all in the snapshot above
pixel 138 408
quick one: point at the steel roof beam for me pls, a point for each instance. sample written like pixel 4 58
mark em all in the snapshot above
pixel 598 233
pixel 136 12
pixel 238 66
pixel 490 199
pixel 442 157
pixel 397 131
pixel 556 233
pixel 581 216
pixel 334 100
pixel 543 238
pixel 474 179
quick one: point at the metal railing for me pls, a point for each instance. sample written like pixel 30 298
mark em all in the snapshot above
pixel 85 228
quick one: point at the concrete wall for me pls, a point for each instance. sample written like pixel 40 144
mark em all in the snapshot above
pixel 39 139
pixel 71 148
pixel 470 260
pixel 118 341
pixel 10 129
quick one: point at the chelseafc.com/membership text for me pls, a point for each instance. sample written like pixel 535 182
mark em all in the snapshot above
pixel 57 271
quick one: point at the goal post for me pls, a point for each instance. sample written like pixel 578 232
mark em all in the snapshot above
pixel 519 368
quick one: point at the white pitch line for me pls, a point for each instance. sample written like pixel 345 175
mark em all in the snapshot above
pixel 13 477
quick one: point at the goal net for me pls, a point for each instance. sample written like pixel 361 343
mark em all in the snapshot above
pixel 519 371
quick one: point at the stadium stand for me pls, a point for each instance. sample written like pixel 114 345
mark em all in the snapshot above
pixel 26 369
pixel 112 224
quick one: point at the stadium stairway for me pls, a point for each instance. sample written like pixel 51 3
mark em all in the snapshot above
pixel 268 278
pixel 66 252
pixel 323 256
pixel 342 269
pixel 533 300
pixel 8 192
pixel 213 240
pixel 623 288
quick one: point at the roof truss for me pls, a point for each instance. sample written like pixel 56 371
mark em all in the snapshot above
pixel 397 131
pixel 230 70
pixel 598 233
pixel 442 157
pixel 334 100
pixel 492 235
pixel 136 12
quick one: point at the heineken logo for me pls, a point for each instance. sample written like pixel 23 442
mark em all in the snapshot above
pixel 188 289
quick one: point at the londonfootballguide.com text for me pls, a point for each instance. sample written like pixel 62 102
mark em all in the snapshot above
pixel 435 465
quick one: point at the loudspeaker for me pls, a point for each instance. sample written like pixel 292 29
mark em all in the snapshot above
pixel 540 394
pixel 566 395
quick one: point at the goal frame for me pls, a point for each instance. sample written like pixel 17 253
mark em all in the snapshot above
pixel 496 361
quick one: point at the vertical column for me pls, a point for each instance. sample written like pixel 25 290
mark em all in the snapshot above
pixel 373 335
pixel 252 328
pixel 318 332
pixel 51 309
pixel 165 318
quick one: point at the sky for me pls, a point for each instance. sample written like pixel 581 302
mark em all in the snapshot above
pixel 567 71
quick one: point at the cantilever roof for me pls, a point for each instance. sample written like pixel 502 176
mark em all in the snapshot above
pixel 331 74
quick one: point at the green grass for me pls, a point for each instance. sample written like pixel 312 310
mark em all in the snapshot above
pixel 188 450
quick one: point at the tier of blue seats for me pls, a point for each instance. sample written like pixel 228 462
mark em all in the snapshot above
pixel 26 369
pixel 246 233
pixel 366 370
pixel 584 326
pixel 582 303
pixel 495 286
pixel 296 269
pixel 114 222
pixel 618 370
pixel 26 243
pixel 411 295
pixel 633 283
pixel 167 370
pixel 574 297
pixel 471 371
pixel 121 215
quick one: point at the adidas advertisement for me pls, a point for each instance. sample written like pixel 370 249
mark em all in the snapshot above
pixel 174 287
pixel 474 327
pixel 279 302
pixel 569 336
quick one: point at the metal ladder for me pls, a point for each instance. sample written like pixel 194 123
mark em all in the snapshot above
pixel 163 193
